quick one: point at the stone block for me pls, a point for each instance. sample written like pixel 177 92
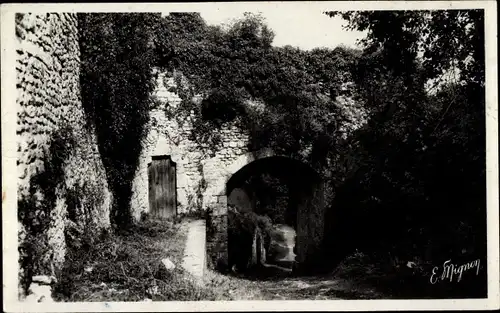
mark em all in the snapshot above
pixel 222 200
pixel 217 242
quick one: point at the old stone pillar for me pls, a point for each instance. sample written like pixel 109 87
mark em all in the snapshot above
pixel 217 235
pixel 310 227
pixel 258 250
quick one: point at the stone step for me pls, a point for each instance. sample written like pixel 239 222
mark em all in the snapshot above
pixel 194 261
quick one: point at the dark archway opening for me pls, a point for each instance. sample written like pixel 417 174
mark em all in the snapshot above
pixel 268 213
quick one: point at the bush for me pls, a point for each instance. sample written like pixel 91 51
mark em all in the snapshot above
pixel 128 267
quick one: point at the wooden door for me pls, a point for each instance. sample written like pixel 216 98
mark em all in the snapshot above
pixel 162 187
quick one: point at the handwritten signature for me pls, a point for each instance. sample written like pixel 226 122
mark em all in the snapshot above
pixel 451 271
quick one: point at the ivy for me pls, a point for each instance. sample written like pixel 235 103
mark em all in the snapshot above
pixel 229 68
pixel 118 54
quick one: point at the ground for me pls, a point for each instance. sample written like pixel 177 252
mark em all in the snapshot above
pixel 127 267
pixel 296 288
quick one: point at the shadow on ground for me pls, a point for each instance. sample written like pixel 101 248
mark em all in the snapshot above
pixel 277 283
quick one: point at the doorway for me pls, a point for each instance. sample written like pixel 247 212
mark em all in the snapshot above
pixel 162 187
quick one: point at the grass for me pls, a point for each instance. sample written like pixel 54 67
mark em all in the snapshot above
pixel 128 267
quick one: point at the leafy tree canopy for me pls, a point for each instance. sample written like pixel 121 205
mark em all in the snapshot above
pixel 440 40
pixel 420 150
pixel 293 91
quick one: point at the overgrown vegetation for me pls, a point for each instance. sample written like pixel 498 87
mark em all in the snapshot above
pixel 392 277
pixel 117 52
pixel 417 188
pixel 272 197
pixel 35 211
pixel 128 267
pixel 284 97
pixel 407 185
pixel 242 227
pixel 395 179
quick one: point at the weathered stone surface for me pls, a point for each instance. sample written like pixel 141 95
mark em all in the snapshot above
pixel 51 122
pixel 169 265
pixel 258 250
pixel 202 172
pixel 194 164
pixel 194 261
pixel 39 293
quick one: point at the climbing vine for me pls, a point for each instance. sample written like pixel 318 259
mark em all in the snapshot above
pixel 283 97
pixel 35 212
pixel 117 57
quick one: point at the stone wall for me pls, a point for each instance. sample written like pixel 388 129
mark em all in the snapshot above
pixel 199 169
pixel 62 182
pixel 217 237
pixel 202 173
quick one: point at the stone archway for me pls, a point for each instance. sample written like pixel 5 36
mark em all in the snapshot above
pixel 309 216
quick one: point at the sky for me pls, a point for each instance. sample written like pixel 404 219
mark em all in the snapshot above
pixel 299 26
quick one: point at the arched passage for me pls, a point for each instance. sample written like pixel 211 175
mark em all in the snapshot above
pixel 252 187
pixel 266 179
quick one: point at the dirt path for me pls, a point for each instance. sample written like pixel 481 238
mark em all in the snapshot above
pixel 274 281
pixel 313 288
pixel 292 288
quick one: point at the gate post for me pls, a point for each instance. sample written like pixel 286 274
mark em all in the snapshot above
pixel 217 227
pixel 311 229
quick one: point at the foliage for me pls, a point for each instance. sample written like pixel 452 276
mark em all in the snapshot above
pixel 445 38
pixel 117 56
pixel 418 186
pixel 283 97
pixel 271 194
pixel 35 211
pixel 128 267
pixel 295 96
pixel 396 179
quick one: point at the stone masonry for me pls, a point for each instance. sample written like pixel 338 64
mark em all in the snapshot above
pixel 62 181
pixel 202 177
pixel 50 126
pixel 168 137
